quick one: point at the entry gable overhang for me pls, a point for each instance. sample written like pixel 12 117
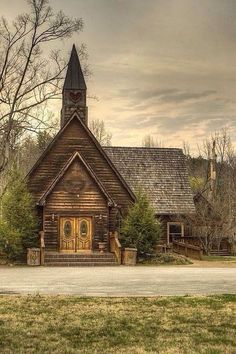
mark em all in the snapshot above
pixel 62 173
pixel 75 115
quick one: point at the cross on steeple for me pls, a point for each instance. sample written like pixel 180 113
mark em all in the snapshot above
pixel 74 90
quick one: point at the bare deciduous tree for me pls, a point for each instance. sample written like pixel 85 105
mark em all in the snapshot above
pixel 149 141
pixel 217 219
pixel 186 149
pixel 28 78
pixel 98 129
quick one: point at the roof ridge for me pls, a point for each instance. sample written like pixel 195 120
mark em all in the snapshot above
pixel 142 147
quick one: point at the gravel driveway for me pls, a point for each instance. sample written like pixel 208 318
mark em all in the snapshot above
pixel 118 281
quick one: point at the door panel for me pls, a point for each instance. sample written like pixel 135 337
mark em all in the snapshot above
pixel 84 233
pixel 68 234
pixel 75 233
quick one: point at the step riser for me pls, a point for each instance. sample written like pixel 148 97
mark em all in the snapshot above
pixel 81 258
pixel 80 264
pixel 60 257
pixel 68 259
pixel 78 261
pixel 76 255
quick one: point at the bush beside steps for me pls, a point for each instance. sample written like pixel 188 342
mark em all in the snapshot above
pixel 165 259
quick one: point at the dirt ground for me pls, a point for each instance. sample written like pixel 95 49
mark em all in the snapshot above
pixel 199 278
pixel 213 264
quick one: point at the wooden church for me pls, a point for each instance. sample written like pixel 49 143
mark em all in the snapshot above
pixel 82 190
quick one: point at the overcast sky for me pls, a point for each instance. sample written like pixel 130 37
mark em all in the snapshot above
pixel 160 67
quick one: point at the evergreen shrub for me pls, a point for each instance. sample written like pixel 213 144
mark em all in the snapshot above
pixel 140 228
pixel 18 224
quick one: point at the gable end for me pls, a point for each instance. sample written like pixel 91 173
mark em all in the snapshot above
pixel 63 171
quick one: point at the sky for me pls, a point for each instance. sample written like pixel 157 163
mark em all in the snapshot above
pixel 160 67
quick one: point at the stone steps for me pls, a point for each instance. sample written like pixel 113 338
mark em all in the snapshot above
pixel 80 264
pixel 77 259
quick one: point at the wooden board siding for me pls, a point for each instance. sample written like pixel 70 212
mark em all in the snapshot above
pixel 76 138
pixel 163 238
pixel 75 194
pixel 113 220
pixel 165 219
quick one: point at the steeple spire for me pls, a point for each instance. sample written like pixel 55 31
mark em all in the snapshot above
pixel 74 90
pixel 74 76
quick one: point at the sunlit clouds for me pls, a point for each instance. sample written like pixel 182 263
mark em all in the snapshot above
pixel 160 67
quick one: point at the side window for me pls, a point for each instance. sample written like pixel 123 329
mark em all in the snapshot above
pixel 174 229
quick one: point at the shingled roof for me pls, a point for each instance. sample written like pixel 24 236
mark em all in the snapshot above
pixel 161 172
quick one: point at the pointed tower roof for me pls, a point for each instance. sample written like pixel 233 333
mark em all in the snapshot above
pixel 74 76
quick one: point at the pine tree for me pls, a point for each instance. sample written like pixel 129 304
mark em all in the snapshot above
pixel 43 140
pixel 141 229
pixel 18 227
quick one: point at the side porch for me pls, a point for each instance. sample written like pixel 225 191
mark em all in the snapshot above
pixel 180 237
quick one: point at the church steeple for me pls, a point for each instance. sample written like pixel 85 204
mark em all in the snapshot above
pixel 74 91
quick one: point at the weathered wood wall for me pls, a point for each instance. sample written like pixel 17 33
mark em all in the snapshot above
pixel 165 219
pixel 76 194
pixel 72 138
pixel 75 138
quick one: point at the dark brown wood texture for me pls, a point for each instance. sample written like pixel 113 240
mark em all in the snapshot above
pixel 75 138
pixel 75 194
pixel 76 191
pixel 63 198
pixel 165 219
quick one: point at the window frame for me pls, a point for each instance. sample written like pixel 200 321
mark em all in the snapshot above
pixel 179 223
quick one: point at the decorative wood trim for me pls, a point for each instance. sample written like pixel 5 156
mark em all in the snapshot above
pixel 76 229
pixel 43 221
pixel 58 232
pixel 63 171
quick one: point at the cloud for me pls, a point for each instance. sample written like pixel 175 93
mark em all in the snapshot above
pixel 166 95
pixel 172 116
pixel 143 98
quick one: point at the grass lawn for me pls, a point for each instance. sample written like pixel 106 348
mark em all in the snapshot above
pixel 63 324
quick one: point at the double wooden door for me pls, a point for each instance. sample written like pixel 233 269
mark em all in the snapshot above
pixel 75 233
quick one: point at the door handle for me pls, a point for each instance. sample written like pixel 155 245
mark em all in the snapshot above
pixel 76 241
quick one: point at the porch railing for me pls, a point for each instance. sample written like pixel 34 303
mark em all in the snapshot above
pixel 187 249
pixel 42 247
pixel 115 246
pixel 217 244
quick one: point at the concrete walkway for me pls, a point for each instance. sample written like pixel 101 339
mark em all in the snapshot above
pixel 118 281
